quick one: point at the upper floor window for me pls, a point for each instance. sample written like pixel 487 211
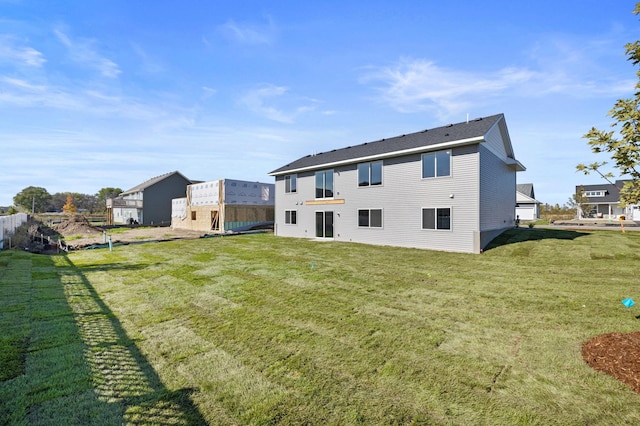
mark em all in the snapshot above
pixel 436 164
pixel 593 193
pixel 324 184
pixel 370 174
pixel 290 183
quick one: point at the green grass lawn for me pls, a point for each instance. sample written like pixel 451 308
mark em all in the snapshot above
pixel 263 330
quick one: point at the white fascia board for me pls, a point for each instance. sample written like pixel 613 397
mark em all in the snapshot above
pixel 461 142
pixel 517 165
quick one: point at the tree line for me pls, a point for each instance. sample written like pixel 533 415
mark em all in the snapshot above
pixel 38 200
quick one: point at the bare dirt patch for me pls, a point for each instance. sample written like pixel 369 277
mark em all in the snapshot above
pixel 617 354
pixel 77 233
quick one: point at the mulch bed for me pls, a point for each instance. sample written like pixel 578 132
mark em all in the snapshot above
pixel 617 354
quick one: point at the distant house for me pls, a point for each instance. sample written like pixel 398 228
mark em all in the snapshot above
pixel 148 203
pixel 222 205
pixel 450 188
pixel 603 201
pixel 527 207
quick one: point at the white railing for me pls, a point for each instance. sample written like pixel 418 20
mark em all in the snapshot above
pixel 9 224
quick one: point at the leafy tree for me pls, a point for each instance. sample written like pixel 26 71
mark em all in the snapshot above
pixel 57 202
pixel 86 202
pixel 69 208
pixel 625 148
pixel 32 198
pixel 580 202
pixel 81 201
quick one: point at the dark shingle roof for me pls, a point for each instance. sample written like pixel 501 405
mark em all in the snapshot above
pixel 526 189
pixel 612 192
pixel 152 181
pixel 439 135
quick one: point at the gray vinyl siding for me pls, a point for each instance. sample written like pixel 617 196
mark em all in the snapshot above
pixel 494 142
pixel 157 199
pixel 401 197
pixel 497 192
pixel 305 226
pixel 480 190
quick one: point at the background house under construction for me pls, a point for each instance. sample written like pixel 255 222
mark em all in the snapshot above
pixel 222 205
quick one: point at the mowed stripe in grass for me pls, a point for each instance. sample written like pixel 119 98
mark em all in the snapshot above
pixel 77 366
pixel 296 331
pixel 263 330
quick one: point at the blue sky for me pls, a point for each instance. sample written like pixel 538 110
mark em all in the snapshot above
pixel 111 93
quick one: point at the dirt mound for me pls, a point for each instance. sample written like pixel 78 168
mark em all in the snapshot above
pixel 617 354
pixel 76 225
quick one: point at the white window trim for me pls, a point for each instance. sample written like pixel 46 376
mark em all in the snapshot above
pixel 285 183
pixel 333 176
pixel 597 193
pixel 285 217
pixel 334 214
pixel 450 175
pixel 369 210
pixel 370 185
pixel 436 217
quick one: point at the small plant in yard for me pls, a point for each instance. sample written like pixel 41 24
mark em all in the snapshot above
pixel 531 225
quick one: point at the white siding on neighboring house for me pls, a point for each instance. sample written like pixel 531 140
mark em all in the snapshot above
pixel 527 207
pixel 526 213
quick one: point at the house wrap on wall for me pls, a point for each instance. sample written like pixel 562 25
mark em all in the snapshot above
pixel 450 188
pixel 148 203
pixel 222 205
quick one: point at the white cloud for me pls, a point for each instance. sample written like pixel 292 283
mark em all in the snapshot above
pixel 414 85
pixel 207 92
pixel 21 55
pixel 83 52
pixel 418 85
pixel 148 64
pixel 245 33
pixel 23 84
pixel 261 101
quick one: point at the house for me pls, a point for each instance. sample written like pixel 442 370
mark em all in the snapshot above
pixel 603 201
pixel 222 205
pixel 527 207
pixel 148 203
pixel 450 188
